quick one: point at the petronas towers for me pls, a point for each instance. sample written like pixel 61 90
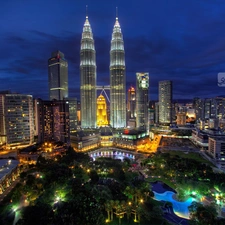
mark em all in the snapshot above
pixel 117 79
pixel 88 92
pixel 88 78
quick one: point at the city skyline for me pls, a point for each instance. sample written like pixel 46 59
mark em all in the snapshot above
pixel 177 41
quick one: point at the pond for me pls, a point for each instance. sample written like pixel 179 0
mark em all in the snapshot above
pixel 163 192
pixel 179 208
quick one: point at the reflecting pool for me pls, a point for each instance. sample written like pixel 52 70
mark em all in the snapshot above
pixel 179 208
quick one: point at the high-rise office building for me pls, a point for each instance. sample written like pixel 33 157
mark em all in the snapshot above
pixel 117 79
pixel 52 120
pixel 198 106
pixel 88 92
pixel 72 114
pixel 157 112
pixel 207 108
pixel 165 102
pixel 16 119
pixel 131 103
pixel 142 103
pixel 57 76
pixel 220 107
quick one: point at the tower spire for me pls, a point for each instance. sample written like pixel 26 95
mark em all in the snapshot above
pixel 116 13
pixel 86 11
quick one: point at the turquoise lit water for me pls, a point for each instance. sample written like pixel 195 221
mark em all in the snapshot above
pixel 179 208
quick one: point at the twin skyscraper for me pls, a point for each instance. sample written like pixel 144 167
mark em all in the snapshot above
pixel 88 78
pixel 58 82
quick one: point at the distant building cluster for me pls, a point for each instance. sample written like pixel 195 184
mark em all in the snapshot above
pixel 120 119
pixel 25 120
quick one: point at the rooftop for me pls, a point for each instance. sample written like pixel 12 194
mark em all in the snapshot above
pixel 6 166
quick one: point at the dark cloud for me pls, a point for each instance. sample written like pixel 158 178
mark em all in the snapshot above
pixel 178 41
pixel 15 40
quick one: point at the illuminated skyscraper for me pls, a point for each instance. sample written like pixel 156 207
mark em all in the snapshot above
pixel 101 111
pixel 142 105
pixel 88 77
pixel 52 120
pixel 165 102
pixel 16 119
pixel 117 79
pixel 57 76
pixel 131 103
pixel 72 114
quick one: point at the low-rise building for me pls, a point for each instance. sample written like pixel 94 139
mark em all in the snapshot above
pixel 85 140
pixel 200 138
pixel 9 171
pixel 217 150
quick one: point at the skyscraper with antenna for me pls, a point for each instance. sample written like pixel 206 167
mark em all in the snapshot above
pixel 117 78
pixel 88 93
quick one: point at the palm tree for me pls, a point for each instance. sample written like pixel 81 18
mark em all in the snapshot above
pixel 120 210
pixel 128 209
pixel 135 212
pixel 108 209
pixel 111 204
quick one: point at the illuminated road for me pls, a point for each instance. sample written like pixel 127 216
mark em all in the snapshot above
pixel 149 146
pixel 10 153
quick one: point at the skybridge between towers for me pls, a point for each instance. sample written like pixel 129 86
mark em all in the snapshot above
pixel 102 89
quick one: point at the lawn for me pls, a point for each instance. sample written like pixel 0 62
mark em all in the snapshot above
pixel 190 155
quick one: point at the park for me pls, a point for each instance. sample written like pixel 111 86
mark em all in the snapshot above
pixel 75 189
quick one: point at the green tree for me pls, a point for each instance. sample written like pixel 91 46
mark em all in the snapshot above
pixel 94 176
pixel 36 215
pixel 205 215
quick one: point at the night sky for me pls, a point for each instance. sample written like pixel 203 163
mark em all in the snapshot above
pixel 178 40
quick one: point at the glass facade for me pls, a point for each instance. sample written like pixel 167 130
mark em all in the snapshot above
pixel 72 114
pixel 117 79
pixel 53 122
pixel 165 102
pixel 88 92
pixel 142 88
pixel 57 76
pixel 131 103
